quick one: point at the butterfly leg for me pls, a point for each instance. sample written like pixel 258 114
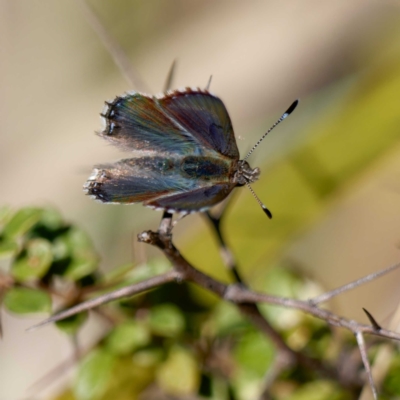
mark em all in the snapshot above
pixel 165 228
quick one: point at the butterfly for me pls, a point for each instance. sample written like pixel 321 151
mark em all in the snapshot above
pixel 185 154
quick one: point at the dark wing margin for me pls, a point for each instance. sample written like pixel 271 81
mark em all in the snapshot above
pixel 135 122
pixel 204 116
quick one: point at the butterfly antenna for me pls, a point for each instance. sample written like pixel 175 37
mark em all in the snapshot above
pixel 170 77
pixel 209 83
pixel 265 209
pixel 284 115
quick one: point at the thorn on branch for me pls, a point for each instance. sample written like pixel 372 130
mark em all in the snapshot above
pixel 375 325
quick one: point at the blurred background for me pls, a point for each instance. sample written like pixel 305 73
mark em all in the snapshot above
pixel 330 174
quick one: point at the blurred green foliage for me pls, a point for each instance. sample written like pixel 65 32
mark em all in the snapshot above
pixel 165 342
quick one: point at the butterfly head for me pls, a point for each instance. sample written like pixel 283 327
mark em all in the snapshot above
pixel 245 174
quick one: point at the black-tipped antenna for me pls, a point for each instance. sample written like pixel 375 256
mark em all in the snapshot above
pixel 265 209
pixel 209 83
pixel 170 77
pixel 284 115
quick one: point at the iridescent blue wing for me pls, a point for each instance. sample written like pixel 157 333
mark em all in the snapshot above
pixel 136 122
pixel 186 122
pixel 157 182
pixel 204 116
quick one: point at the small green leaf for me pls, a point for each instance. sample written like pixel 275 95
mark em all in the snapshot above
pixel 79 240
pixel 8 248
pixel 318 390
pixel 35 263
pixel 148 357
pixel 226 319
pixel 22 221
pixel 51 219
pixel 25 301
pixel 255 353
pixel 81 267
pixel 179 374
pixel 71 324
pixel 84 257
pixel 127 337
pixel 94 375
pixel 167 320
pixel 60 248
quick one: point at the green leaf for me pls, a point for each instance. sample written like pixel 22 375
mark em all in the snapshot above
pixel 94 375
pixel 81 267
pixel 127 337
pixel 51 219
pixel 179 374
pixel 148 357
pixel 226 319
pixel 84 257
pixel 8 248
pixel 318 390
pixel 167 320
pixel 35 263
pixel 25 301
pixel 140 272
pixel 254 353
pixel 22 221
pixel 60 248
pixel 71 324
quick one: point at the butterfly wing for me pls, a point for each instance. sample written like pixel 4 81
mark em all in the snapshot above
pixel 135 122
pixel 205 117
pixel 157 182
pixel 179 122
pixel 194 200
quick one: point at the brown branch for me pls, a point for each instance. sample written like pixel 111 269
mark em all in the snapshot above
pixel 286 355
pixel 126 291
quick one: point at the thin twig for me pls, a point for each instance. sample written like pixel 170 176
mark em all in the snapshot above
pixel 226 254
pixel 237 294
pixel 126 291
pixel 352 285
pixel 367 366
pixel 114 49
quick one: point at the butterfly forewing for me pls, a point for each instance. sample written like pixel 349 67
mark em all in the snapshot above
pixel 205 117
pixel 135 122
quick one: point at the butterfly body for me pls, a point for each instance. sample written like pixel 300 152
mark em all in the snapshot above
pixel 186 157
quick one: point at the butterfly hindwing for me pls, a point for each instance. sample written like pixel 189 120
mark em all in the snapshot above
pixel 194 200
pixel 159 181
